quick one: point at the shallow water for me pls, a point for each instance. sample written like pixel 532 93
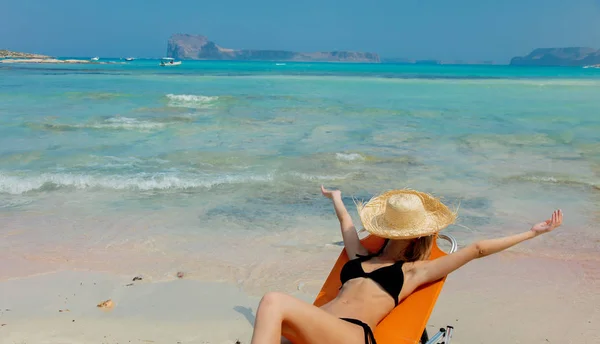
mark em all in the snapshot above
pixel 214 168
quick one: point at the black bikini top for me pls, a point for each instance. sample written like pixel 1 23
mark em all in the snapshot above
pixel 390 278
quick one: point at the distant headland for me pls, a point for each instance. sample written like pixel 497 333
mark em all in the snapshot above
pixel 7 56
pixel 572 56
pixel 198 47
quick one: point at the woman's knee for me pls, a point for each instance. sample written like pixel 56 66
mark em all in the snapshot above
pixel 272 300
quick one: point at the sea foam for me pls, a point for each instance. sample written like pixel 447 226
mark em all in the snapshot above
pixel 190 100
pixel 349 157
pixel 141 182
pixel 113 123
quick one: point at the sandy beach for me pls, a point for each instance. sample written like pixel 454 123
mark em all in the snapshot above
pixel 509 298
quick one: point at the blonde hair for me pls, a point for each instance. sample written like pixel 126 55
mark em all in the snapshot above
pixel 419 249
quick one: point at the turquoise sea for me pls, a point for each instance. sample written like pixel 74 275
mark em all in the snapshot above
pixel 214 167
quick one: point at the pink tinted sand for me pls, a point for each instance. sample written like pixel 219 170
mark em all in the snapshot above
pixel 508 298
pixel 543 291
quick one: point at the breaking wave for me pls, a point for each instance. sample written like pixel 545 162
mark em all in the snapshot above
pixel 190 100
pixel 311 177
pixel 113 123
pixel 556 179
pixel 127 123
pixel 141 182
pixel 349 157
pixel 22 183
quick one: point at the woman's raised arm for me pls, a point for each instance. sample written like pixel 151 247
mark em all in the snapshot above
pixel 349 234
pixel 429 271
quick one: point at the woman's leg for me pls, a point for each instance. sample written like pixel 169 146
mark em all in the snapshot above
pixel 279 314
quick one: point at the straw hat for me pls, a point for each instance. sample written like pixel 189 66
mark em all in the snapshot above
pixel 404 214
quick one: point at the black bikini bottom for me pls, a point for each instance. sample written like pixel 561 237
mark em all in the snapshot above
pixel 369 337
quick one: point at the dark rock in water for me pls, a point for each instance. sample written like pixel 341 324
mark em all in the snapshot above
pixel 572 56
pixel 137 278
pixel 198 47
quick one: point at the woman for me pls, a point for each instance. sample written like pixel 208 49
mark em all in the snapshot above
pixel 373 284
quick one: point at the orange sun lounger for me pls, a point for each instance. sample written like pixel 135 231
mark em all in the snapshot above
pixel 406 323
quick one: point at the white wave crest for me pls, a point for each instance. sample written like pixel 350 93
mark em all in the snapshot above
pixel 126 123
pixel 13 203
pixel 142 182
pixel 190 100
pixel 559 179
pixel 545 179
pixel 349 157
pixel 311 177
pixel 113 123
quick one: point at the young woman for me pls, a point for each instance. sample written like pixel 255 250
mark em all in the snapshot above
pixel 373 284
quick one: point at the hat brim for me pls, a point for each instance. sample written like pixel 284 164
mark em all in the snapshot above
pixel 437 216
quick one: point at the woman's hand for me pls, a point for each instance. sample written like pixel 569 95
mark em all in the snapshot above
pixel 550 224
pixel 330 193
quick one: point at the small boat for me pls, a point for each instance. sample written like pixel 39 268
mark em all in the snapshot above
pixel 95 58
pixel 168 62
pixel 129 59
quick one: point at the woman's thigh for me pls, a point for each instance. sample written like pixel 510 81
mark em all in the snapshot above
pixel 308 324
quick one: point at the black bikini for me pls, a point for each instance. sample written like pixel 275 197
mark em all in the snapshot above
pixel 390 278
pixel 369 337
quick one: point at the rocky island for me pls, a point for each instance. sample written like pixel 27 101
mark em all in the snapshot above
pixel 573 56
pixel 198 47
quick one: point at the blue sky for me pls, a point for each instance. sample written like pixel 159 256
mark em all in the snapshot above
pixel 438 29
